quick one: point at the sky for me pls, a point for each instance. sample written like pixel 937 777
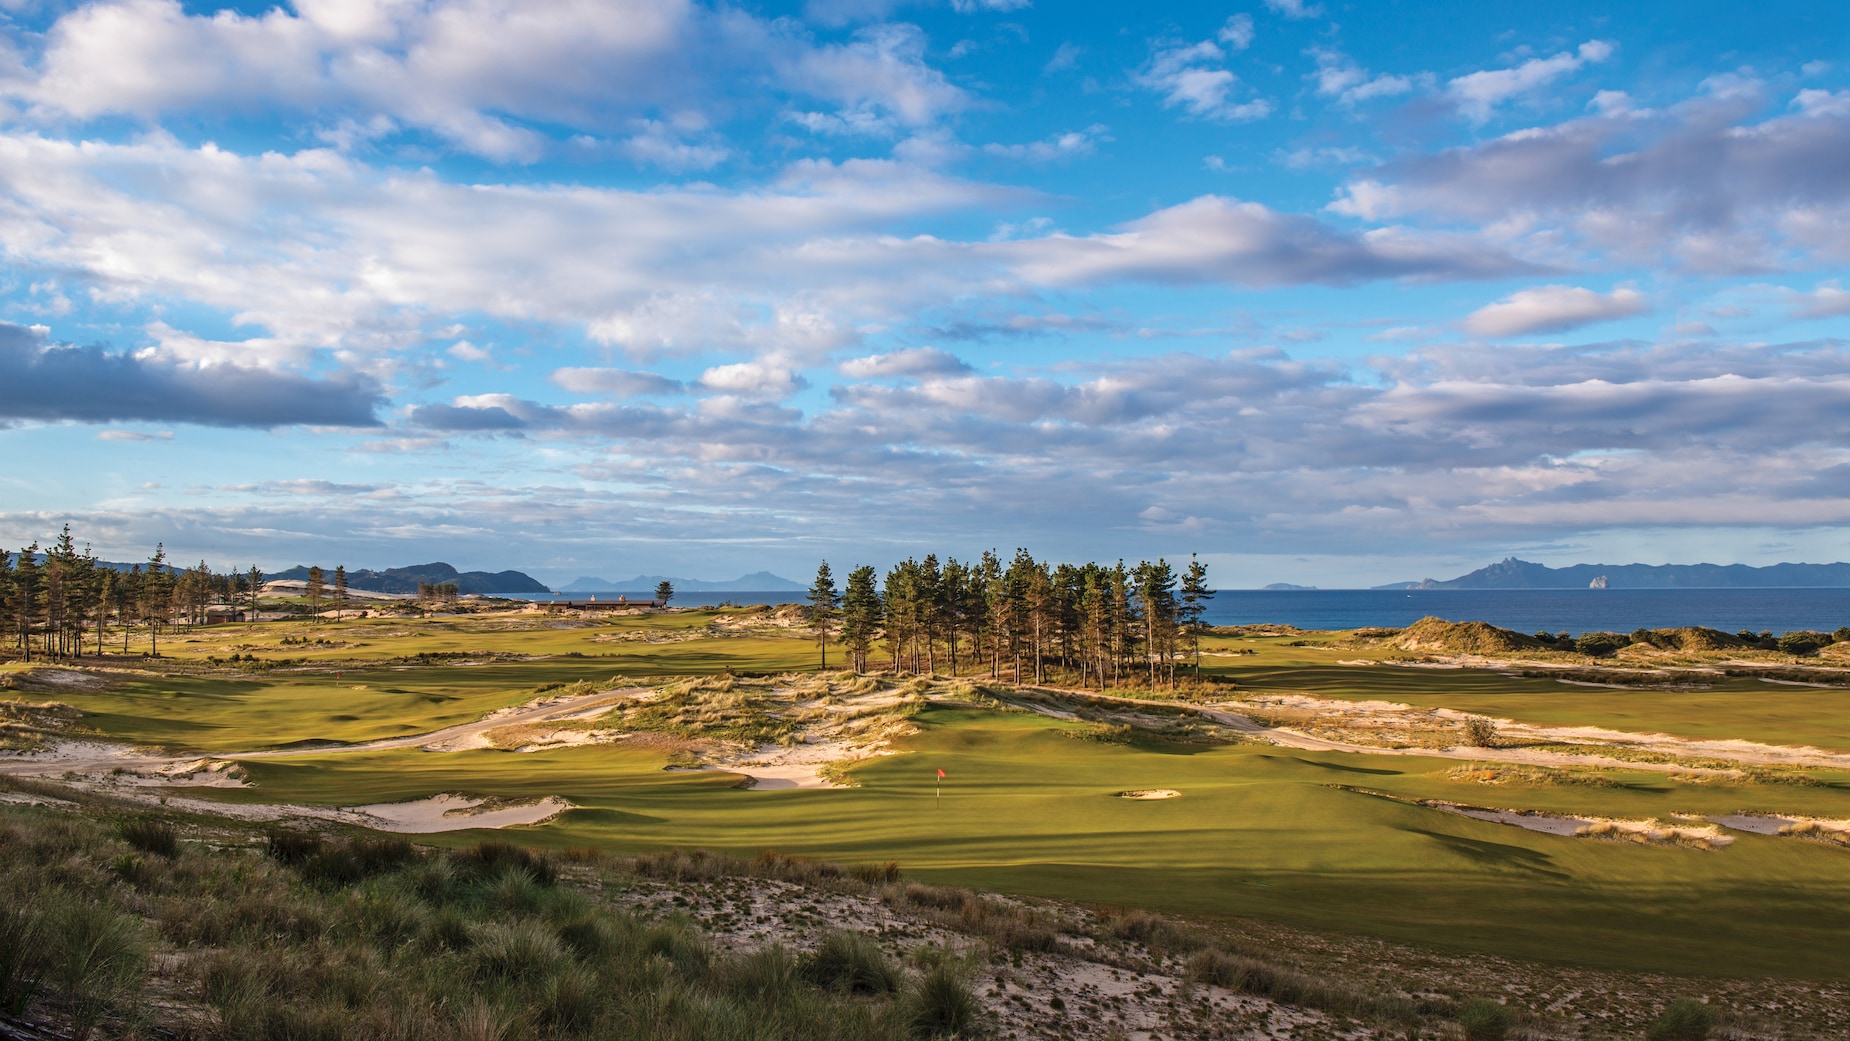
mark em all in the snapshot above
pixel 1327 293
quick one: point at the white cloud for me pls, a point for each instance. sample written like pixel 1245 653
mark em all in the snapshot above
pixel 1237 32
pixel 1070 145
pixel 771 378
pixel 1213 239
pixel 1828 300
pixel 622 383
pixel 883 71
pixel 1339 77
pixel 1478 93
pixel 491 77
pixel 907 362
pixel 118 434
pixel 1191 76
pixel 1548 309
pixel 1295 8
pixel 657 144
pixel 1691 187
pixel 1066 57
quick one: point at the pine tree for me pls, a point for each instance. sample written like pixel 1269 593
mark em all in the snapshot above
pixel 156 597
pixel 1195 597
pixel 6 591
pixel 664 591
pixel 1155 588
pixel 340 591
pixel 256 587
pixel 315 589
pixel 106 597
pixel 823 602
pixel 862 615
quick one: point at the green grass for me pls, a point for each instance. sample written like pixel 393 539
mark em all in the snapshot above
pixel 1258 830
pixel 1734 707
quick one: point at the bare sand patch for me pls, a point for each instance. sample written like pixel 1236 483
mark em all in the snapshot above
pixel 1149 793
pixel 1823 829
pixel 1528 820
pixel 449 812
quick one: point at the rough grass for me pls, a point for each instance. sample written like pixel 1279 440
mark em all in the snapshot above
pixel 407 945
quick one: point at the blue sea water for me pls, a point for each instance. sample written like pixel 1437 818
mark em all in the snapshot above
pixel 1525 610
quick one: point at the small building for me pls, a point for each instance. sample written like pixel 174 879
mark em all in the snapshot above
pixel 219 614
pixel 620 603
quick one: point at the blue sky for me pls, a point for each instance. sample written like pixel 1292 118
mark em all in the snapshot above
pixel 1328 293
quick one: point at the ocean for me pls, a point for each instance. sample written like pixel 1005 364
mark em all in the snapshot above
pixel 1525 610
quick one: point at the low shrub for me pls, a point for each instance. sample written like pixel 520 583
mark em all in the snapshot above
pixel 1289 986
pixel 288 846
pixel 1480 732
pixel 1686 1019
pixel 358 860
pixel 519 952
pixel 851 962
pixel 1485 1020
pixel 1601 645
pixel 876 874
pixel 494 857
pixel 22 961
pixel 97 957
pixel 150 835
pixel 944 1006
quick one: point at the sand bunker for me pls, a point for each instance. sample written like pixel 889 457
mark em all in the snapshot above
pixel 1822 829
pixel 1150 793
pixel 1529 820
pixel 456 813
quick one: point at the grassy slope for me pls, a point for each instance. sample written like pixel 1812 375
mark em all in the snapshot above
pixel 1733 707
pixel 328 700
pixel 1259 830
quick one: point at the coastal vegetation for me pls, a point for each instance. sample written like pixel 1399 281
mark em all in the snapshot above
pixel 1447 802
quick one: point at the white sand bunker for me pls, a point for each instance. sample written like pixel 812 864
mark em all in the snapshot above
pixel 1149 793
pixel 1833 831
pixel 456 813
pixel 1529 820
pixel 1693 833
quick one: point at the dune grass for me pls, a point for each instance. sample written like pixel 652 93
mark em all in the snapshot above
pixel 483 942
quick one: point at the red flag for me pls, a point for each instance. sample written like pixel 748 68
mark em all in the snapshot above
pixel 940 773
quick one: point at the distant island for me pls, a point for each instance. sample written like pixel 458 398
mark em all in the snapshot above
pixel 1279 587
pixel 406 579
pixel 756 582
pixel 1511 573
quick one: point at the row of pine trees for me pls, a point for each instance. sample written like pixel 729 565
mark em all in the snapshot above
pixel 59 602
pixel 1092 624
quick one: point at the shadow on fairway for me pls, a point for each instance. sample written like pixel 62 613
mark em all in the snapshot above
pixel 1346 768
pixel 1496 854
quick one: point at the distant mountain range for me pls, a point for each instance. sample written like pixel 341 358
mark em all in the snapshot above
pixel 1511 573
pixel 756 582
pixel 406 579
